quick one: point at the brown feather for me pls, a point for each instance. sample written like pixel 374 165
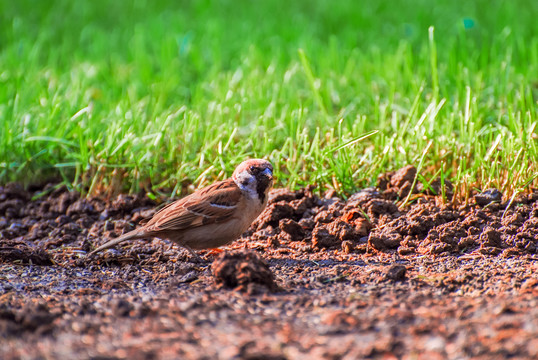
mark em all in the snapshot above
pixel 198 209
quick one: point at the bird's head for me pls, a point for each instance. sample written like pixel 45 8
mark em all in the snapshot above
pixel 254 176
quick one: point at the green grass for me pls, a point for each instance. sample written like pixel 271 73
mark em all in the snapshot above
pixel 161 94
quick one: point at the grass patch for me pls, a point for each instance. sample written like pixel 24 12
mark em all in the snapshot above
pixel 164 94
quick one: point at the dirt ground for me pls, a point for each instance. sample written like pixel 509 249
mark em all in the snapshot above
pixel 315 277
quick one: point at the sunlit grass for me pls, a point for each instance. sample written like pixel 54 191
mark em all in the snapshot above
pixel 163 94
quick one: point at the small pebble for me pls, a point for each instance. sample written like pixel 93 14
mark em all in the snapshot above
pixel 488 196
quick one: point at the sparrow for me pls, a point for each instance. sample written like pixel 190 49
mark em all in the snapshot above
pixel 213 216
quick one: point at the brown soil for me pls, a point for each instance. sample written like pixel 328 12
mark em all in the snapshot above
pixel 313 278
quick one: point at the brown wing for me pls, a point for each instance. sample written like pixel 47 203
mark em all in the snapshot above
pixel 216 203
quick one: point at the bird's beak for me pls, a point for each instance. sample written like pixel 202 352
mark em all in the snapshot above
pixel 267 172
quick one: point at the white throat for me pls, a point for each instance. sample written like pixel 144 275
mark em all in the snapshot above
pixel 247 183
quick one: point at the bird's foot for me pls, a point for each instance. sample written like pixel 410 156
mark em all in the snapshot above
pixel 194 255
pixel 215 251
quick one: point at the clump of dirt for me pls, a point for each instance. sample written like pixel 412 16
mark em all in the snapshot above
pixel 243 271
pixel 370 221
pixel 396 273
pixel 24 255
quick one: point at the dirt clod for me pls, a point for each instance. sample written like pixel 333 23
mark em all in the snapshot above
pixel 403 176
pixel 402 180
pixel 396 273
pixel 491 237
pixel 384 241
pixel 24 256
pixel 323 238
pixel 294 229
pixel 244 271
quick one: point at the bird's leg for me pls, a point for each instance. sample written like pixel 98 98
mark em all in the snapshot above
pixel 193 253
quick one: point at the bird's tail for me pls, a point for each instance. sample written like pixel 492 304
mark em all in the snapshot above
pixel 131 235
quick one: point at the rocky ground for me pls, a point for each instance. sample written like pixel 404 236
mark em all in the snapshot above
pixel 315 277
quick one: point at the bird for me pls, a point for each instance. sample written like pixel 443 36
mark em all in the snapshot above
pixel 213 216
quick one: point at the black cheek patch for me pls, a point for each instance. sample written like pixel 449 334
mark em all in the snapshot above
pixel 263 182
